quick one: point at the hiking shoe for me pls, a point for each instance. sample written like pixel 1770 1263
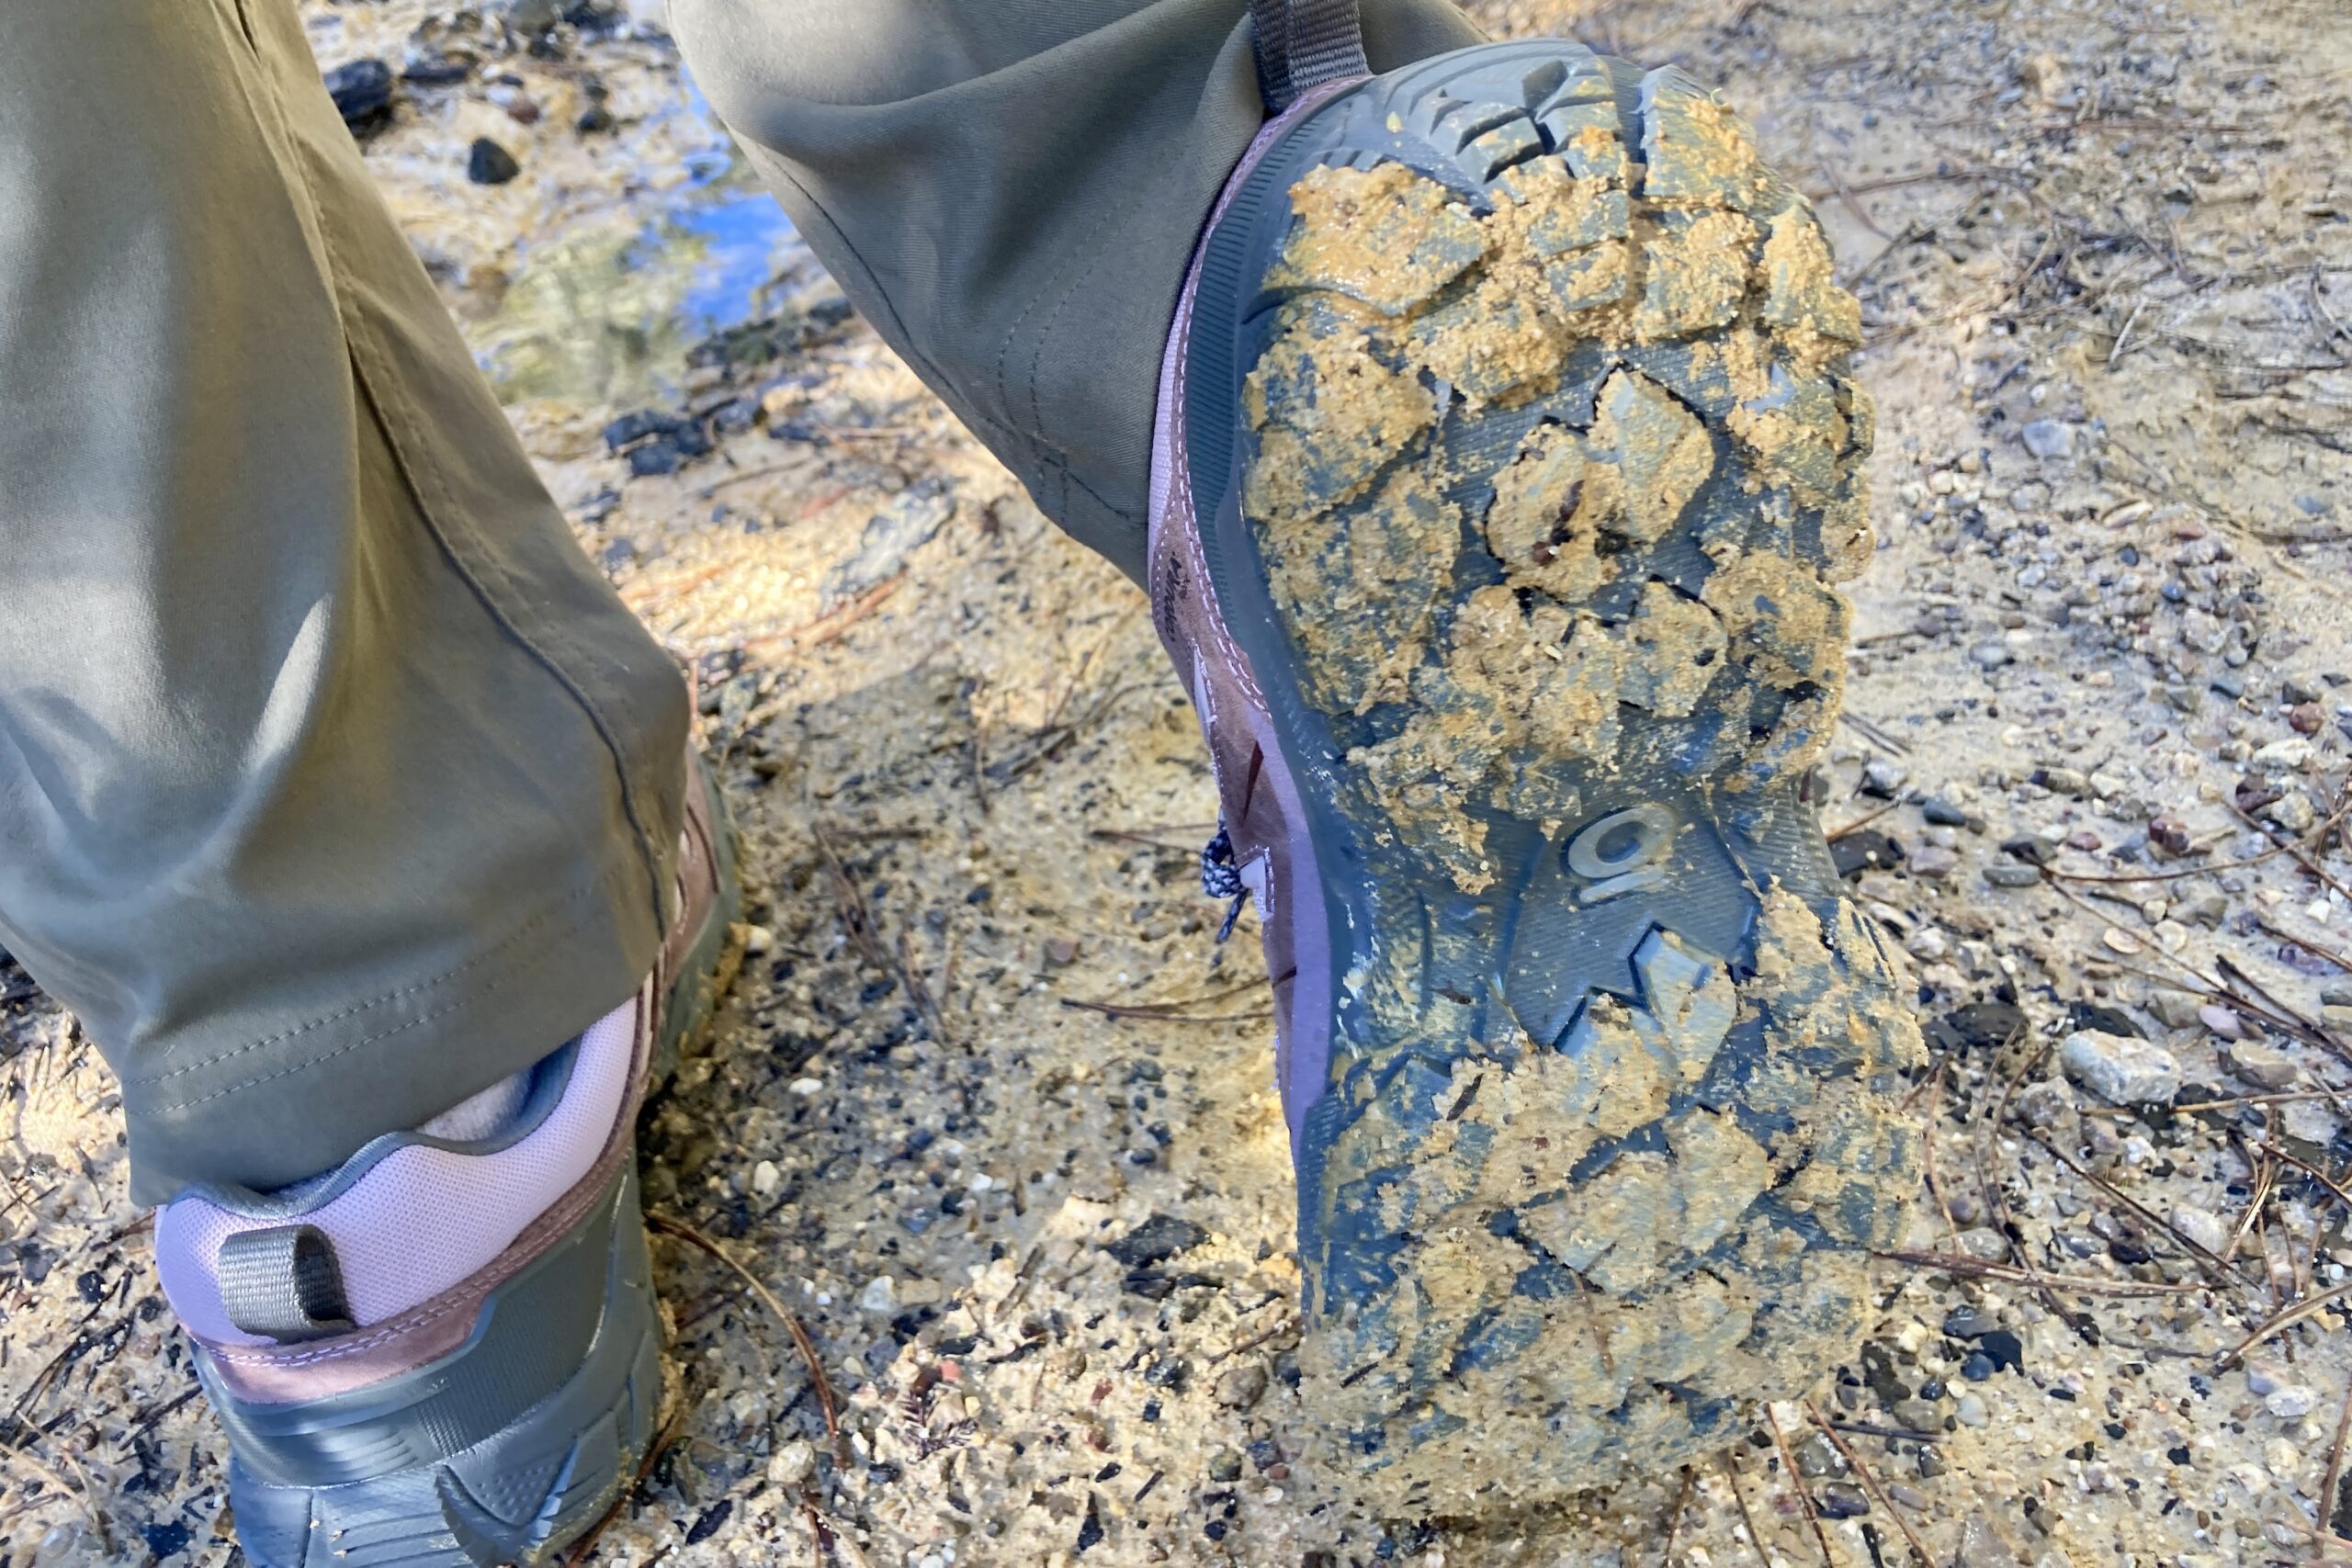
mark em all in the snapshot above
pixel 448 1350
pixel 1507 453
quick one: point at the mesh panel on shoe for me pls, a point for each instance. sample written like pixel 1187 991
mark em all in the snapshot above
pixel 424 1219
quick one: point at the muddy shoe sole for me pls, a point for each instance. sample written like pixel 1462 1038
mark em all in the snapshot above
pixel 1516 420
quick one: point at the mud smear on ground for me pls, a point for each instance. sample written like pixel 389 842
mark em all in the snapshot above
pixel 2117 234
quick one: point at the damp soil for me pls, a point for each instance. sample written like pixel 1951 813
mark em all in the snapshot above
pixel 991 1111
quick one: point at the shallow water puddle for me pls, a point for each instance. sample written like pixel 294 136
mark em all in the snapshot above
pixel 604 309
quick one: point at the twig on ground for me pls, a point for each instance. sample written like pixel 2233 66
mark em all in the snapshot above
pixel 831 625
pixel 1796 1484
pixel 2213 1263
pixel 1154 1015
pixel 1927 1146
pixel 2330 1487
pixel 2277 1322
pixel 1998 1196
pixel 1731 1479
pixel 1960 1263
pixel 670 1225
pixel 1872 730
pixel 1869 1482
pixel 1172 1011
pixel 1864 820
pixel 866 935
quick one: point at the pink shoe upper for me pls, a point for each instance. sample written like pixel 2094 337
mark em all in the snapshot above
pixel 420 1218
pixel 1264 811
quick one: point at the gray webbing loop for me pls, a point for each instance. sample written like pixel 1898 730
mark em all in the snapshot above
pixel 284 1284
pixel 1302 44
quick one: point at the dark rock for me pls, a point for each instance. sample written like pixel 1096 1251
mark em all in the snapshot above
pixel 1978 1367
pixel 2254 792
pixel 636 425
pixel 1978 1026
pixel 1171 1374
pixel 2005 1348
pixel 165 1539
pixel 1942 812
pixel 1156 1240
pixel 2106 1020
pixel 660 457
pixel 912 520
pixel 594 120
pixel 711 1522
pixel 436 70
pixel 488 164
pixel 362 91
pixel 1967 1323
pixel 1839 1501
pixel 2031 851
pixel 1865 849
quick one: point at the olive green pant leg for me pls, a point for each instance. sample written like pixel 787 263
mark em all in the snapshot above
pixel 335 784
pixel 1010 191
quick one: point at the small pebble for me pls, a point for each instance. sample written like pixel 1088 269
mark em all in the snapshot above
pixel 2222 1020
pixel 2203 1227
pixel 2264 1066
pixel 2120 1069
pixel 1933 861
pixel 2048 438
pixel 2293 1401
pixel 488 164
pixel 2284 756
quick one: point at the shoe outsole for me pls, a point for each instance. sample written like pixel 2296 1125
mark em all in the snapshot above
pixel 529 1491
pixel 1543 457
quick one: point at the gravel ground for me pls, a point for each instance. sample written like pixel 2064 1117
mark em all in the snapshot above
pixel 991 1110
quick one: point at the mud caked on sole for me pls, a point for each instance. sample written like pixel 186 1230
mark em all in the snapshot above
pixel 1551 458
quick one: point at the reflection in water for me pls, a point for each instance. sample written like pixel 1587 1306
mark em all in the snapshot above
pixel 604 313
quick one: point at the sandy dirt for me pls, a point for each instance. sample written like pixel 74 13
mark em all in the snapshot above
pixel 990 1110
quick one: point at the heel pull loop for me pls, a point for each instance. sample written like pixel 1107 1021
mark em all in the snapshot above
pixel 1301 44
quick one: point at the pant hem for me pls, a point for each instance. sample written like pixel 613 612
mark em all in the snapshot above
pixel 293 1108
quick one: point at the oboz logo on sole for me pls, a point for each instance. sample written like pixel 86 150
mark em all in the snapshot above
pixel 1622 853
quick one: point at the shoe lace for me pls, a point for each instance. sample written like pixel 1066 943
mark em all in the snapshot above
pixel 1221 878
